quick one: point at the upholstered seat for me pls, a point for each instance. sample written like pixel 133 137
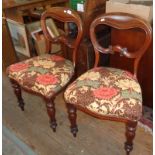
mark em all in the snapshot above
pixel 107 92
pixel 48 75
pixel 110 93
pixel 45 74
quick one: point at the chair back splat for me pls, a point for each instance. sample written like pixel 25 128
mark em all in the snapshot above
pixel 64 15
pixel 110 93
pixel 121 21
pixel 47 75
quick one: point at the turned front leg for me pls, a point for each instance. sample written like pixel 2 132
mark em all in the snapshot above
pixel 51 113
pixel 18 93
pixel 130 135
pixel 72 117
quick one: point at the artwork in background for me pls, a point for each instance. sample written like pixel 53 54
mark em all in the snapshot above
pixel 19 37
pixel 39 41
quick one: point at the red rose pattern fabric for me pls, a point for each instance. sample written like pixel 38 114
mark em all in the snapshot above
pixel 107 92
pixel 18 67
pixel 47 79
pixel 45 74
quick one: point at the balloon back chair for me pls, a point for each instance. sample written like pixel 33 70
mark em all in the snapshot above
pixel 47 74
pixel 110 93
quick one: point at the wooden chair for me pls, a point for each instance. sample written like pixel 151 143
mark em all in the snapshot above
pixel 110 93
pixel 47 75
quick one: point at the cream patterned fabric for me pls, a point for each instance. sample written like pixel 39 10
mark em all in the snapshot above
pixel 45 74
pixel 107 92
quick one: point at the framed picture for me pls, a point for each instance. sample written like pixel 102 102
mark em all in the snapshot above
pixel 19 37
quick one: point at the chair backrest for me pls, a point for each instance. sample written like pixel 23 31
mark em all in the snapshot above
pixel 65 15
pixel 121 21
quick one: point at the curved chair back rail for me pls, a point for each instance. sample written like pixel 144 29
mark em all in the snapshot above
pixel 121 21
pixel 64 15
pixel 47 75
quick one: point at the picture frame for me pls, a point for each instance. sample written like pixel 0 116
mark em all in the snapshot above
pixel 19 37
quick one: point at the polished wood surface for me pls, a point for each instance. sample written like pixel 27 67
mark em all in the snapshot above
pixel 65 15
pixel 61 14
pixel 18 93
pixel 92 9
pixel 123 21
pixel 7 4
pixel 50 106
pixel 15 10
pixel 85 56
pixel 145 77
pixel 145 72
pixel 120 21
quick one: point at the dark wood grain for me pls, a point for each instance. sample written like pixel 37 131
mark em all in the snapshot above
pixel 130 135
pixel 15 10
pixel 72 117
pixel 18 93
pixel 7 4
pixel 123 21
pixel 145 71
pixel 91 10
pixel 64 15
pixel 85 57
pixel 120 21
pixel 51 112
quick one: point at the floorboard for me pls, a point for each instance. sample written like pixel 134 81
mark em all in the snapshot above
pixel 95 137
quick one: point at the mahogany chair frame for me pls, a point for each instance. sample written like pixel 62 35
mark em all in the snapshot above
pixel 63 14
pixel 121 21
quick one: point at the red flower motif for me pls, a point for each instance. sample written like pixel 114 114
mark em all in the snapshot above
pixel 47 79
pixel 18 67
pixel 105 92
pixel 56 58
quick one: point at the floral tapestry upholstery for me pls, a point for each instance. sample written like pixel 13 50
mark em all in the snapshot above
pixel 45 74
pixel 107 92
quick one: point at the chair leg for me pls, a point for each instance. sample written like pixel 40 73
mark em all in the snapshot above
pixel 18 93
pixel 51 113
pixel 130 134
pixel 72 117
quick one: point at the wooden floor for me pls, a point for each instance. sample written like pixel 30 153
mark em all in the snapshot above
pixel 95 137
